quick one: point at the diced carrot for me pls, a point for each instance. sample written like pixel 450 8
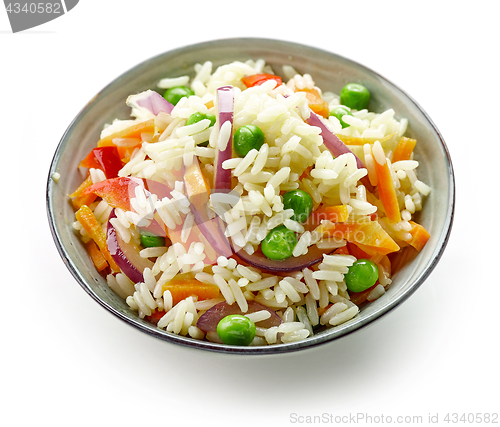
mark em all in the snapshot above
pixel 183 288
pixel 209 104
pixel 368 250
pixel 368 235
pixel 79 200
pixel 126 152
pixel 420 236
pixel 386 191
pixel 356 140
pixel 404 149
pixel 89 222
pixel 134 131
pixel 316 102
pixel 306 172
pixel 321 310
pixel 197 187
pixel 86 199
pixel 96 255
pixel 337 213
pixel 85 184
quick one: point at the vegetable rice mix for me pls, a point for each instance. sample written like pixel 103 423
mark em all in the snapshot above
pixel 249 209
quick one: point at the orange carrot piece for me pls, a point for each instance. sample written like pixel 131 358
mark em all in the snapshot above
pixel 209 104
pixel 197 187
pixel 78 199
pixel 321 310
pixel 96 255
pixel 125 153
pixel 369 236
pixel 306 172
pixel 89 222
pixel 370 251
pixel 183 288
pixel 404 149
pixel 316 102
pixel 86 199
pixel 356 140
pixel 337 213
pixel 134 131
pixel 85 184
pixel 420 236
pixel 386 191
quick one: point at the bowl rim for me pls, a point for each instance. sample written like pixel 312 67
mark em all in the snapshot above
pixel 313 341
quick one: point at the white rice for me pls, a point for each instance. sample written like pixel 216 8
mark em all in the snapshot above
pixel 292 157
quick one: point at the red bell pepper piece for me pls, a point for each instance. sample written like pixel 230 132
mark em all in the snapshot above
pixel 105 158
pixel 116 191
pixel 258 79
pixel 155 316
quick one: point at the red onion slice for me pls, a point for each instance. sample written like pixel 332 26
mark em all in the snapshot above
pixel 225 102
pixel 335 145
pixel 209 320
pixel 313 256
pixel 126 255
pixel 211 227
pixel 155 103
pixel 212 232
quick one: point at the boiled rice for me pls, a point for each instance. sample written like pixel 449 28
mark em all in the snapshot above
pixel 255 206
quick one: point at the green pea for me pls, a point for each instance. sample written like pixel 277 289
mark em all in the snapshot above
pixel 363 274
pixel 301 203
pixel 152 241
pixel 246 138
pixel 354 96
pixel 198 117
pixel 279 243
pixel 340 112
pixel 174 94
pixel 236 329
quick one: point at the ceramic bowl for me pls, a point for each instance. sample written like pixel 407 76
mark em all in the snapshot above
pixel 330 72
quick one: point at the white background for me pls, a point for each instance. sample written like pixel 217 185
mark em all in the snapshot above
pixel 68 362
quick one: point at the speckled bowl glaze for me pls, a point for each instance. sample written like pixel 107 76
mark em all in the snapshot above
pixel 330 72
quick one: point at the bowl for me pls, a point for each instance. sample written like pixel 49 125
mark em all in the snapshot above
pixel 330 72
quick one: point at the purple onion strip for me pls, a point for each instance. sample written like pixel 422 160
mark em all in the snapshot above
pixel 155 103
pixel 225 101
pixel 335 145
